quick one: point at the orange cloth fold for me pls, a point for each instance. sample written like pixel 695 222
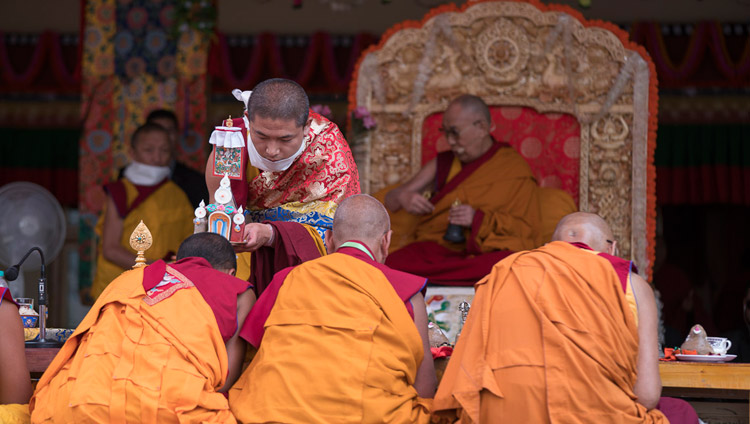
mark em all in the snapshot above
pixel 365 358
pixel 549 334
pixel 129 361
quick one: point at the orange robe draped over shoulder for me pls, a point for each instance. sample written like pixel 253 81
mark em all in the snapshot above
pixel 350 356
pixel 550 338
pixel 135 362
pixel 501 188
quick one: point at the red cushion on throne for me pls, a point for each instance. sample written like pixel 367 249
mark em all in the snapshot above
pixel 550 142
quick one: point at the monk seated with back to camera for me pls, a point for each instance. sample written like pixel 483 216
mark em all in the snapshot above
pixel 481 187
pixel 160 344
pixel 341 338
pixel 563 333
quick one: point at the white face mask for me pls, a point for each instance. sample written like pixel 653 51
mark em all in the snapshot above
pixel 264 164
pixel 145 175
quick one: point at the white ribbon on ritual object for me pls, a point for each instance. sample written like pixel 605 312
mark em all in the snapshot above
pixel 227 137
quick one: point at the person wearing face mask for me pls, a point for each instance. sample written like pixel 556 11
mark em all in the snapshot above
pixel 499 211
pixel 146 193
pixel 299 168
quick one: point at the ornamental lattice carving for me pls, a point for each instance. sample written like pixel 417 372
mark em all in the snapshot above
pixel 511 53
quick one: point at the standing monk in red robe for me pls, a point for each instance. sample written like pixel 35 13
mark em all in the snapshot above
pixel 499 209
pixel 298 165
pixel 160 345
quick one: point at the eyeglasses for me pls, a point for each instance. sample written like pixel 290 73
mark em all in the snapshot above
pixel 454 133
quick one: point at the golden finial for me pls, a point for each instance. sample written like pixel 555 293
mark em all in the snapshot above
pixel 228 122
pixel 456 202
pixel 140 241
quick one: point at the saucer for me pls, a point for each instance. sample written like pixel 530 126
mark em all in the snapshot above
pixel 705 358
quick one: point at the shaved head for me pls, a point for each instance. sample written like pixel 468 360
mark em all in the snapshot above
pixel 586 228
pixel 279 99
pixel 363 218
pixel 474 104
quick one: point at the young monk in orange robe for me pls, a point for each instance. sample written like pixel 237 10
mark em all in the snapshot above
pixel 342 338
pixel 499 212
pixel 15 384
pixel 160 345
pixel 144 193
pixel 554 335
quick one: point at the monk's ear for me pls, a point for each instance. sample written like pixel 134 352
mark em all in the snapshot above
pixel 385 244
pixel 491 127
pixel 613 248
pixel 330 244
pixel 307 125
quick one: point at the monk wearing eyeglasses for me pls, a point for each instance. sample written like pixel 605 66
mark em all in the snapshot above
pixel 482 186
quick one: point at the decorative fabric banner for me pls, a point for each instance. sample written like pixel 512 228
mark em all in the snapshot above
pixel 131 66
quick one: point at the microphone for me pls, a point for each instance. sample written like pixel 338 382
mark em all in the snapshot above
pixel 12 273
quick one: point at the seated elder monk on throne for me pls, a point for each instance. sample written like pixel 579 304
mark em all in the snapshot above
pixel 481 188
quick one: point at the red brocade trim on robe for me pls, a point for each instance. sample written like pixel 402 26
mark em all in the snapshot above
pixel 325 171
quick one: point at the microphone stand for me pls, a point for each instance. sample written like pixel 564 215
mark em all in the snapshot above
pixel 12 273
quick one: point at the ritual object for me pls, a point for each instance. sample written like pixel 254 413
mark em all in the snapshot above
pixel 140 241
pixel 224 218
pixel 200 223
pixel 696 340
pixel 228 157
pixel 454 233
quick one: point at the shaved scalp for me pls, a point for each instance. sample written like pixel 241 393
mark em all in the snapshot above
pixel 210 246
pixel 281 99
pixel 474 104
pixel 586 228
pixel 360 217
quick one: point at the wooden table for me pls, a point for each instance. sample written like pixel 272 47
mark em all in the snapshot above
pixel 705 380
pixel 38 359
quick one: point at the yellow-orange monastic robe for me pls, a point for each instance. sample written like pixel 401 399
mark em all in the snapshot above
pixel 350 356
pixel 550 338
pixel 131 362
pixel 166 212
pixel 502 190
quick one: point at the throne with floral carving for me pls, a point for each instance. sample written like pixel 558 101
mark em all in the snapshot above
pixel 574 97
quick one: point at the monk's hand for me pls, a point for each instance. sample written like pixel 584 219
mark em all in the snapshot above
pixel 415 203
pixel 462 215
pixel 256 235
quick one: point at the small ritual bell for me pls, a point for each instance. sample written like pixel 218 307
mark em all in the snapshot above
pixel 454 233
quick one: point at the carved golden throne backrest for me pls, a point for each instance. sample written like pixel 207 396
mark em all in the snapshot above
pixel 520 54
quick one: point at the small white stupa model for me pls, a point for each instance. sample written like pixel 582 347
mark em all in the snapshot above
pixel 222 217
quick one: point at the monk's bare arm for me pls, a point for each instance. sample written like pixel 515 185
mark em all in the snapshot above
pixel 426 381
pixel 212 181
pixel 648 384
pixel 409 195
pixel 112 230
pixel 15 381
pixel 236 346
